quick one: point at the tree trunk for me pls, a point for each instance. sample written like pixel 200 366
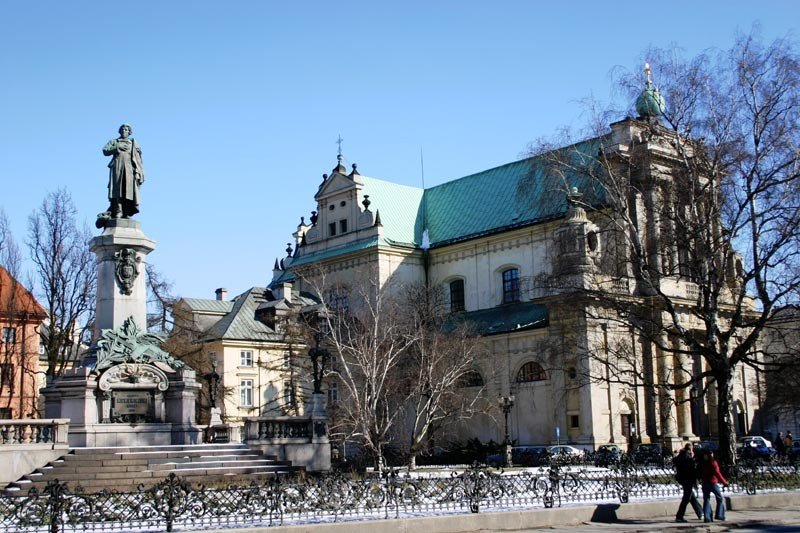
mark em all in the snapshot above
pixel 412 461
pixel 727 436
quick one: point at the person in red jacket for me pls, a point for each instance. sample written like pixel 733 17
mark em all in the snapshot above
pixel 711 478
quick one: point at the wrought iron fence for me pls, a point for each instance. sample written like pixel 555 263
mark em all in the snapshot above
pixel 176 504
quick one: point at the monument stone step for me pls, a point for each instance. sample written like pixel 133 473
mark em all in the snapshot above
pixel 125 468
pixel 214 464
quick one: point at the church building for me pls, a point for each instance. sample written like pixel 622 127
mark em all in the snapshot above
pixel 523 251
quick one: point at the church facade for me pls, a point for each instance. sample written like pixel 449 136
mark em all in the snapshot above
pixel 517 251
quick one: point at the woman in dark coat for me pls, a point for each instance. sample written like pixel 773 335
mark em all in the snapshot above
pixel 686 475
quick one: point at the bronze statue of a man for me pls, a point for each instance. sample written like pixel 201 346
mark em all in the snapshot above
pixel 125 174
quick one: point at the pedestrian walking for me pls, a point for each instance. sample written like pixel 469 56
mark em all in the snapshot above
pixel 787 444
pixel 711 478
pixel 779 444
pixel 686 475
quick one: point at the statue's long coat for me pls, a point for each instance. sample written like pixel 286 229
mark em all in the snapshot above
pixel 126 171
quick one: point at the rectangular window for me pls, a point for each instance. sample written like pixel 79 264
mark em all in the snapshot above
pixel 246 358
pixel 6 375
pixel 246 393
pixel 343 226
pixel 574 422
pixel 333 393
pixel 456 296
pixel 9 335
pixel 332 229
pixel 287 359
pixel 510 285
pixel 5 413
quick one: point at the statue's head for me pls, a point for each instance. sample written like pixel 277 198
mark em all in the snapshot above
pixel 125 131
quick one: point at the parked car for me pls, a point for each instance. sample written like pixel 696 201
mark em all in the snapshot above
pixel 607 455
pixel 649 454
pixel 703 446
pixel 760 441
pixel 756 449
pixel 564 449
pixel 522 456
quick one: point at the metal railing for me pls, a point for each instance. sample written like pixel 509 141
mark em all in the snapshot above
pixel 176 504
pixel 34 431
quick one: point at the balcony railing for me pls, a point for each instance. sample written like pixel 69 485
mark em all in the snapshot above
pixel 34 431
pixel 262 428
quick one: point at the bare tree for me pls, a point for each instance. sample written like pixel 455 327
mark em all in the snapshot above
pixel 65 277
pixel 700 207
pixel 362 326
pixel 444 353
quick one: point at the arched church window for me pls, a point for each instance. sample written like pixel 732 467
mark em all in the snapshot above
pixel 531 371
pixel 472 378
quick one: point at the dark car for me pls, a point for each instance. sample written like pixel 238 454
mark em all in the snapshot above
pixel 522 456
pixel 649 454
pixel 607 455
pixel 756 451
pixel 704 446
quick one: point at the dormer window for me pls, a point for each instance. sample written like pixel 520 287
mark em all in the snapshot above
pixel 343 226
pixel 332 229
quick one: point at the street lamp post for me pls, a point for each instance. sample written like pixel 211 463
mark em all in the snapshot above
pixel 216 430
pixel 319 358
pixel 213 383
pixel 506 403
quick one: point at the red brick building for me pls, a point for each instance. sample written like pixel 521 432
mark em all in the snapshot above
pixel 20 319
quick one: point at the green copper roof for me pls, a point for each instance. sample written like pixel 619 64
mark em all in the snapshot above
pixel 400 207
pixel 516 194
pixel 506 318
pixel 513 195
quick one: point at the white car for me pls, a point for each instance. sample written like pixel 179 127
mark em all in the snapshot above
pixel 565 450
pixel 753 441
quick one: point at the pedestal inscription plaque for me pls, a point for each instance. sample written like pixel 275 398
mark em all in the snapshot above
pixel 132 406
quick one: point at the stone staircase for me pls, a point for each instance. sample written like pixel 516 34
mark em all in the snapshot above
pixel 124 468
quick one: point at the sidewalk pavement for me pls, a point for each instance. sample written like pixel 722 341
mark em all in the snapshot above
pixel 781 519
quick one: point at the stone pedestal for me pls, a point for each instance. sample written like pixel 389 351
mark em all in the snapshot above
pixel 121 282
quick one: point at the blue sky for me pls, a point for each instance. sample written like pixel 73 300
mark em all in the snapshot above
pixel 238 105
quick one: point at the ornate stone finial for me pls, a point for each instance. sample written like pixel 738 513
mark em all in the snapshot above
pixel 288 249
pixel 302 221
pixel 365 202
pixel 355 170
pixel 324 177
pixel 314 218
pixel 378 219
pixel 276 266
pixel 650 104
pixel 575 213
